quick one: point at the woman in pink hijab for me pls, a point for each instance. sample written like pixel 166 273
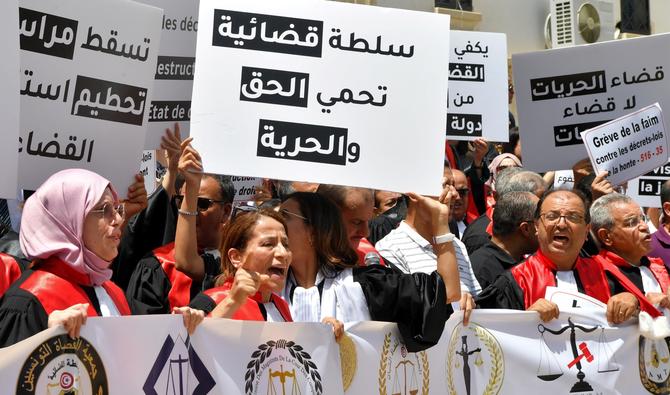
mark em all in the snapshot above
pixel 70 229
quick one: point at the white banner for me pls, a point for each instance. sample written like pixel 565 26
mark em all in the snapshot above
pixel 175 68
pixel 562 92
pixel 500 352
pixel 646 189
pixel 9 103
pixel 86 74
pixel 478 99
pixel 313 90
pixel 628 146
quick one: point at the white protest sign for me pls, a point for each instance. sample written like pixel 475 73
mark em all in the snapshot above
pixel 171 95
pixel 563 92
pixel 311 90
pixel 245 188
pixel 646 189
pixel 148 170
pixel 628 146
pixel 9 103
pixel 86 73
pixel 478 98
pixel 564 179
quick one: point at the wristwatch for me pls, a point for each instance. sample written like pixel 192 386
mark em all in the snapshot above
pixel 445 238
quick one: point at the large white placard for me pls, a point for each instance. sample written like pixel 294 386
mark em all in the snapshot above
pixel 9 103
pixel 628 146
pixel 478 98
pixel 86 75
pixel 646 189
pixel 562 92
pixel 312 91
pixel 175 68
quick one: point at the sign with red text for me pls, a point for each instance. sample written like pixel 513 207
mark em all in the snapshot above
pixel 312 91
pixel 628 146
pixel 86 72
pixel 562 92
pixel 9 102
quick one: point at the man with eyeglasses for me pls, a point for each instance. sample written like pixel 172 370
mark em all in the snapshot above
pixel 562 223
pixel 621 229
pixel 460 206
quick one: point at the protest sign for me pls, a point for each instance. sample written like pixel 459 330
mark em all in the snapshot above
pixel 9 102
pixel 564 179
pixel 628 146
pixel 173 80
pixel 478 99
pixel 563 92
pixel 148 170
pixel 245 188
pixel 311 91
pixel 646 189
pixel 86 73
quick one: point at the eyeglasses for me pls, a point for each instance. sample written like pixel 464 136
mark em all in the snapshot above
pixel 463 192
pixel 203 203
pixel 554 217
pixel 237 210
pixel 109 212
pixel 632 222
pixel 285 213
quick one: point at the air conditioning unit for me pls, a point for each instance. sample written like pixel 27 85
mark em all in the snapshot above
pixel 575 22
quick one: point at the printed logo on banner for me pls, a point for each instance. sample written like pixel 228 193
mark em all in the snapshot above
pixel 474 360
pixel 563 86
pixel 587 356
pixel 61 365
pixel 466 72
pixel 47 34
pixel 178 370
pixel 571 134
pixel 268 33
pixel 110 101
pixel 654 364
pixel 177 68
pixel 303 142
pixel 464 125
pixel 176 111
pixel 402 372
pixel 274 86
pixel 282 367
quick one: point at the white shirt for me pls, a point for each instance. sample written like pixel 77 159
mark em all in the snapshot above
pixel 107 306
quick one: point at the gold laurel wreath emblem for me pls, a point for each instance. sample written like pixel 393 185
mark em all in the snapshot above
pixel 497 374
pixel 383 366
pixel 348 360
pixel 651 386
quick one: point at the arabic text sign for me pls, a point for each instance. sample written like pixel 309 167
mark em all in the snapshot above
pixel 311 91
pixel 477 104
pixel 563 92
pixel 86 69
pixel 9 103
pixel 628 146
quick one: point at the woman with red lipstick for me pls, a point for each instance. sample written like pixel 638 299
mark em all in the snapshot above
pixel 71 228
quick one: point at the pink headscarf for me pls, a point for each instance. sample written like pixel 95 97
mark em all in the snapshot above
pixel 53 221
pixel 493 167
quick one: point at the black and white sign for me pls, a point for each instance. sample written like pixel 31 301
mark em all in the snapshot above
pixel 9 102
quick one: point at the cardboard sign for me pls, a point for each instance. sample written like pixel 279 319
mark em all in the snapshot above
pixel 563 92
pixel 86 74
pixel 478 99
pixel 628 146
pixel 175 68
pixel 312 91
pixel 9 102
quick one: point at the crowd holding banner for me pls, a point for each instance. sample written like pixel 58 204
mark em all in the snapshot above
pixel 312 91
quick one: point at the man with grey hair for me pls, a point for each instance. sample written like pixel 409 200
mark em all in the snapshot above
pixel 514 236
pixel 509 180
pixel 620 227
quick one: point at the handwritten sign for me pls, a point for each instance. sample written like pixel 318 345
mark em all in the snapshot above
pixel 312 91
pixel 564 179
pixel 175 68
pixel 9 103
pixel 563 92
pixel 477 103
pixel 628 146
pixel 86 70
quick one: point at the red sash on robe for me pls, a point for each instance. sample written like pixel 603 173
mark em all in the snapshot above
pixel 364 246
pixel 611 263
pixel 58 286
pixel 472 212
pixel 180 290
pixel 536 273
pixel 489 215
pixel 10 271
pixel 250 311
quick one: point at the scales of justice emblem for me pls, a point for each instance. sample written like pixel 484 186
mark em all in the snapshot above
pixel 407 373
pixel 654 365
pixel 475 363
pixel 550 369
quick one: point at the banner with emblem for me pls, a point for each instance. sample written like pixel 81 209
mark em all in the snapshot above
pixel 87 71
pixel 313 88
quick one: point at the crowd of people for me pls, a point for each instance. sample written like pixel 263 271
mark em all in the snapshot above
pixel 496 237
